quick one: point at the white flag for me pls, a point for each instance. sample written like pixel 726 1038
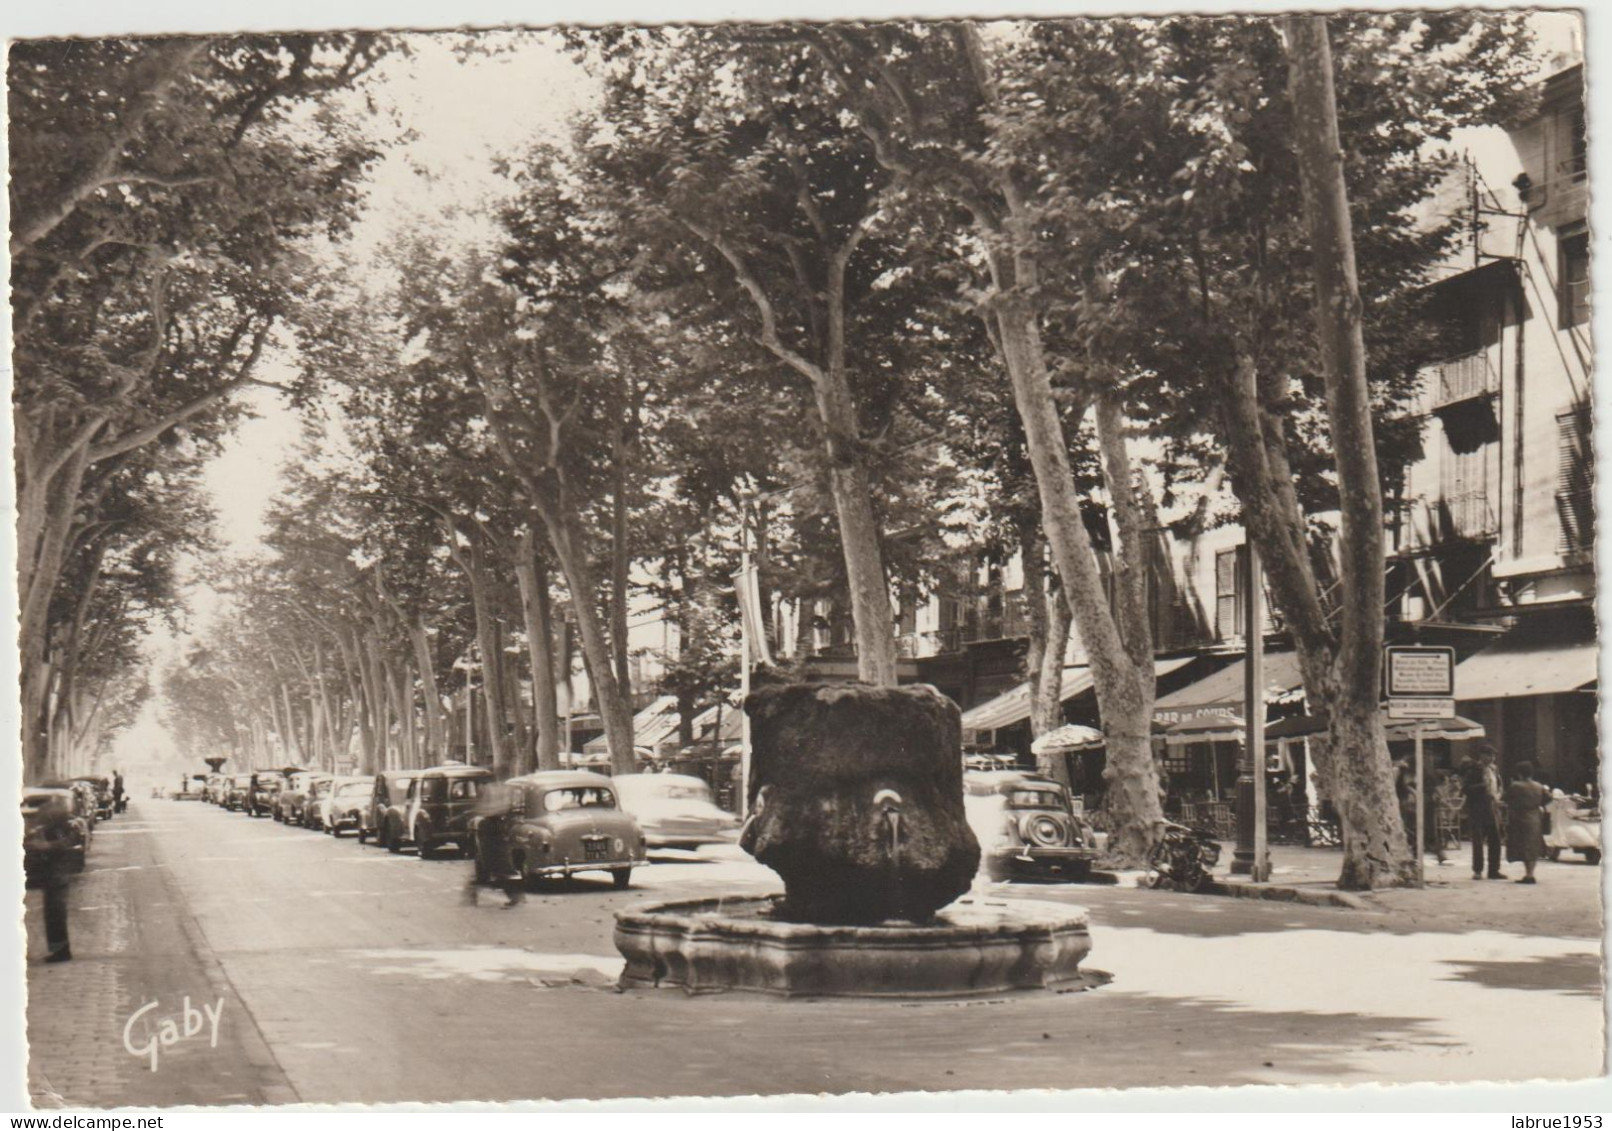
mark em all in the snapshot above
pixel 747 587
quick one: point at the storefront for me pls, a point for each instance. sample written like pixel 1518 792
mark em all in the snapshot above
pixel 1535 694
pixel 1202 726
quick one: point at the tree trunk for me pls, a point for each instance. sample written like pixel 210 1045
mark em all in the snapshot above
pixel 436 728
pixel 620 555
pixel 534 585
pixel 1124 687
pixel 614 707
pixel 1376 853
pixel 871 613
pixel 492 681
pixel 520 733
pixel 1050 620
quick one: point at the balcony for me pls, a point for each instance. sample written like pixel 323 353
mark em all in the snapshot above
pixel 1460 379
pixel 1468 515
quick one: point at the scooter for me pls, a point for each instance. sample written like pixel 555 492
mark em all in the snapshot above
pixel 1575 826
pixel 1182 859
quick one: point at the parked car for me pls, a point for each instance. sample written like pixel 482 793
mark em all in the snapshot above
pixel 383 817
pixel 563 822
pixel 441 801
pixel 985 762
pixel 51 825
pixel 1027 827
pixel 216 786
pixel 85 803
pixel 344 804
pixel 236 787
pixel 103 794
pixel 294 795
pixel 265 794
pixel 313 804
pixel 675 810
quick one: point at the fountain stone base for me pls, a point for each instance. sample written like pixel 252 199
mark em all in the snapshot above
pixel 975 946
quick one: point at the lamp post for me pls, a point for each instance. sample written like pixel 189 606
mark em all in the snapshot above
pixel 1252 856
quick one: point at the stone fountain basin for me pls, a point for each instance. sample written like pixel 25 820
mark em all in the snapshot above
pixel 973 946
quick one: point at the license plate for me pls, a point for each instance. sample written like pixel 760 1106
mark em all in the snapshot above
pixel 595 849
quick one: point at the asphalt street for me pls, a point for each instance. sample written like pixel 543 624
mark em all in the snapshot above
pixel 338 972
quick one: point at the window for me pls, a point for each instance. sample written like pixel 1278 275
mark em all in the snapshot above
pixel 1576 163
pixel 1573 299
pixel 1229 592
pixel 1575 481
pixel 580 797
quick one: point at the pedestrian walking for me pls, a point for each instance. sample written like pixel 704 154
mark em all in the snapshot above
pixel 1483 798
pixel 494 814
pixel 47 841
pixel 1405 790
pixel 1525 820
pixel 119 801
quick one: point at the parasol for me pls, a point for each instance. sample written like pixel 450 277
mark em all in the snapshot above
pixel 1068 739
pixel 1397 730
pixel 1205 728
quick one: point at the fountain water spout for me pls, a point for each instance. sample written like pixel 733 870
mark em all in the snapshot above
pixel 888 802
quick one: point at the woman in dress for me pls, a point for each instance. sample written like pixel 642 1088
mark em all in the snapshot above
pixel 1525 820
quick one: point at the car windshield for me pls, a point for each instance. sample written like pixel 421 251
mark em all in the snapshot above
pixel 1035 799
pixel 578 797
pixel 354 788
pixel 679 791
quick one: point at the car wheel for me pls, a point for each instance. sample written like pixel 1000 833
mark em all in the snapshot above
pixel 394 843
pixel 422 838
pixel 1553 853
pixel 621 877
pixel 1592 855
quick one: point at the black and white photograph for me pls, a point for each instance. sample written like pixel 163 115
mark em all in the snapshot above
pixel 705 559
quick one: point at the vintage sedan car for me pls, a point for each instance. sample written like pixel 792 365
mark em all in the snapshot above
pixel 313 804
pixel 384 816
pixel 236 787
pixel 344 804
pixel 264 796
pixel 103 794
pixel 675 810
pixel 1027 827
pixel 217 784
pixel 440 803
pixel 85 803
pixel 52 830
pixel 294 796
pixel 562 822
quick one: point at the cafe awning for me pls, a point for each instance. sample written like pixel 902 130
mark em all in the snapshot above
pixel 1222 692
pixel 1014 705
pixel 1503 672
pixel 655 723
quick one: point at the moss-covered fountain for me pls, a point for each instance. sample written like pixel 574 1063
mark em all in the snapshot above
pixel 856 801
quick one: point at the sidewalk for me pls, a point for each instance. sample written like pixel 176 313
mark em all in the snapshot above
pixel 1565 901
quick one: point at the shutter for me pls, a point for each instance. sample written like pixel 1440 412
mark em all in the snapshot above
pixel 1575 507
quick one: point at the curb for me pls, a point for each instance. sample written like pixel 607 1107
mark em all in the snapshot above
pixel 1281 893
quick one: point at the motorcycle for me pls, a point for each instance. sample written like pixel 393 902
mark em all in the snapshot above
pixel 1182 860
pixel 1575 826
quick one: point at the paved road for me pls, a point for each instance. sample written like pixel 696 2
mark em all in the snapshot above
pixel 340 972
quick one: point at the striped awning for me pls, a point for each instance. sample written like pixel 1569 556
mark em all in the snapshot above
pixel 1013 706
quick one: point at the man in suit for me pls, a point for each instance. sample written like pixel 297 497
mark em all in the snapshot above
pixel 1481 779
pixel 48 842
